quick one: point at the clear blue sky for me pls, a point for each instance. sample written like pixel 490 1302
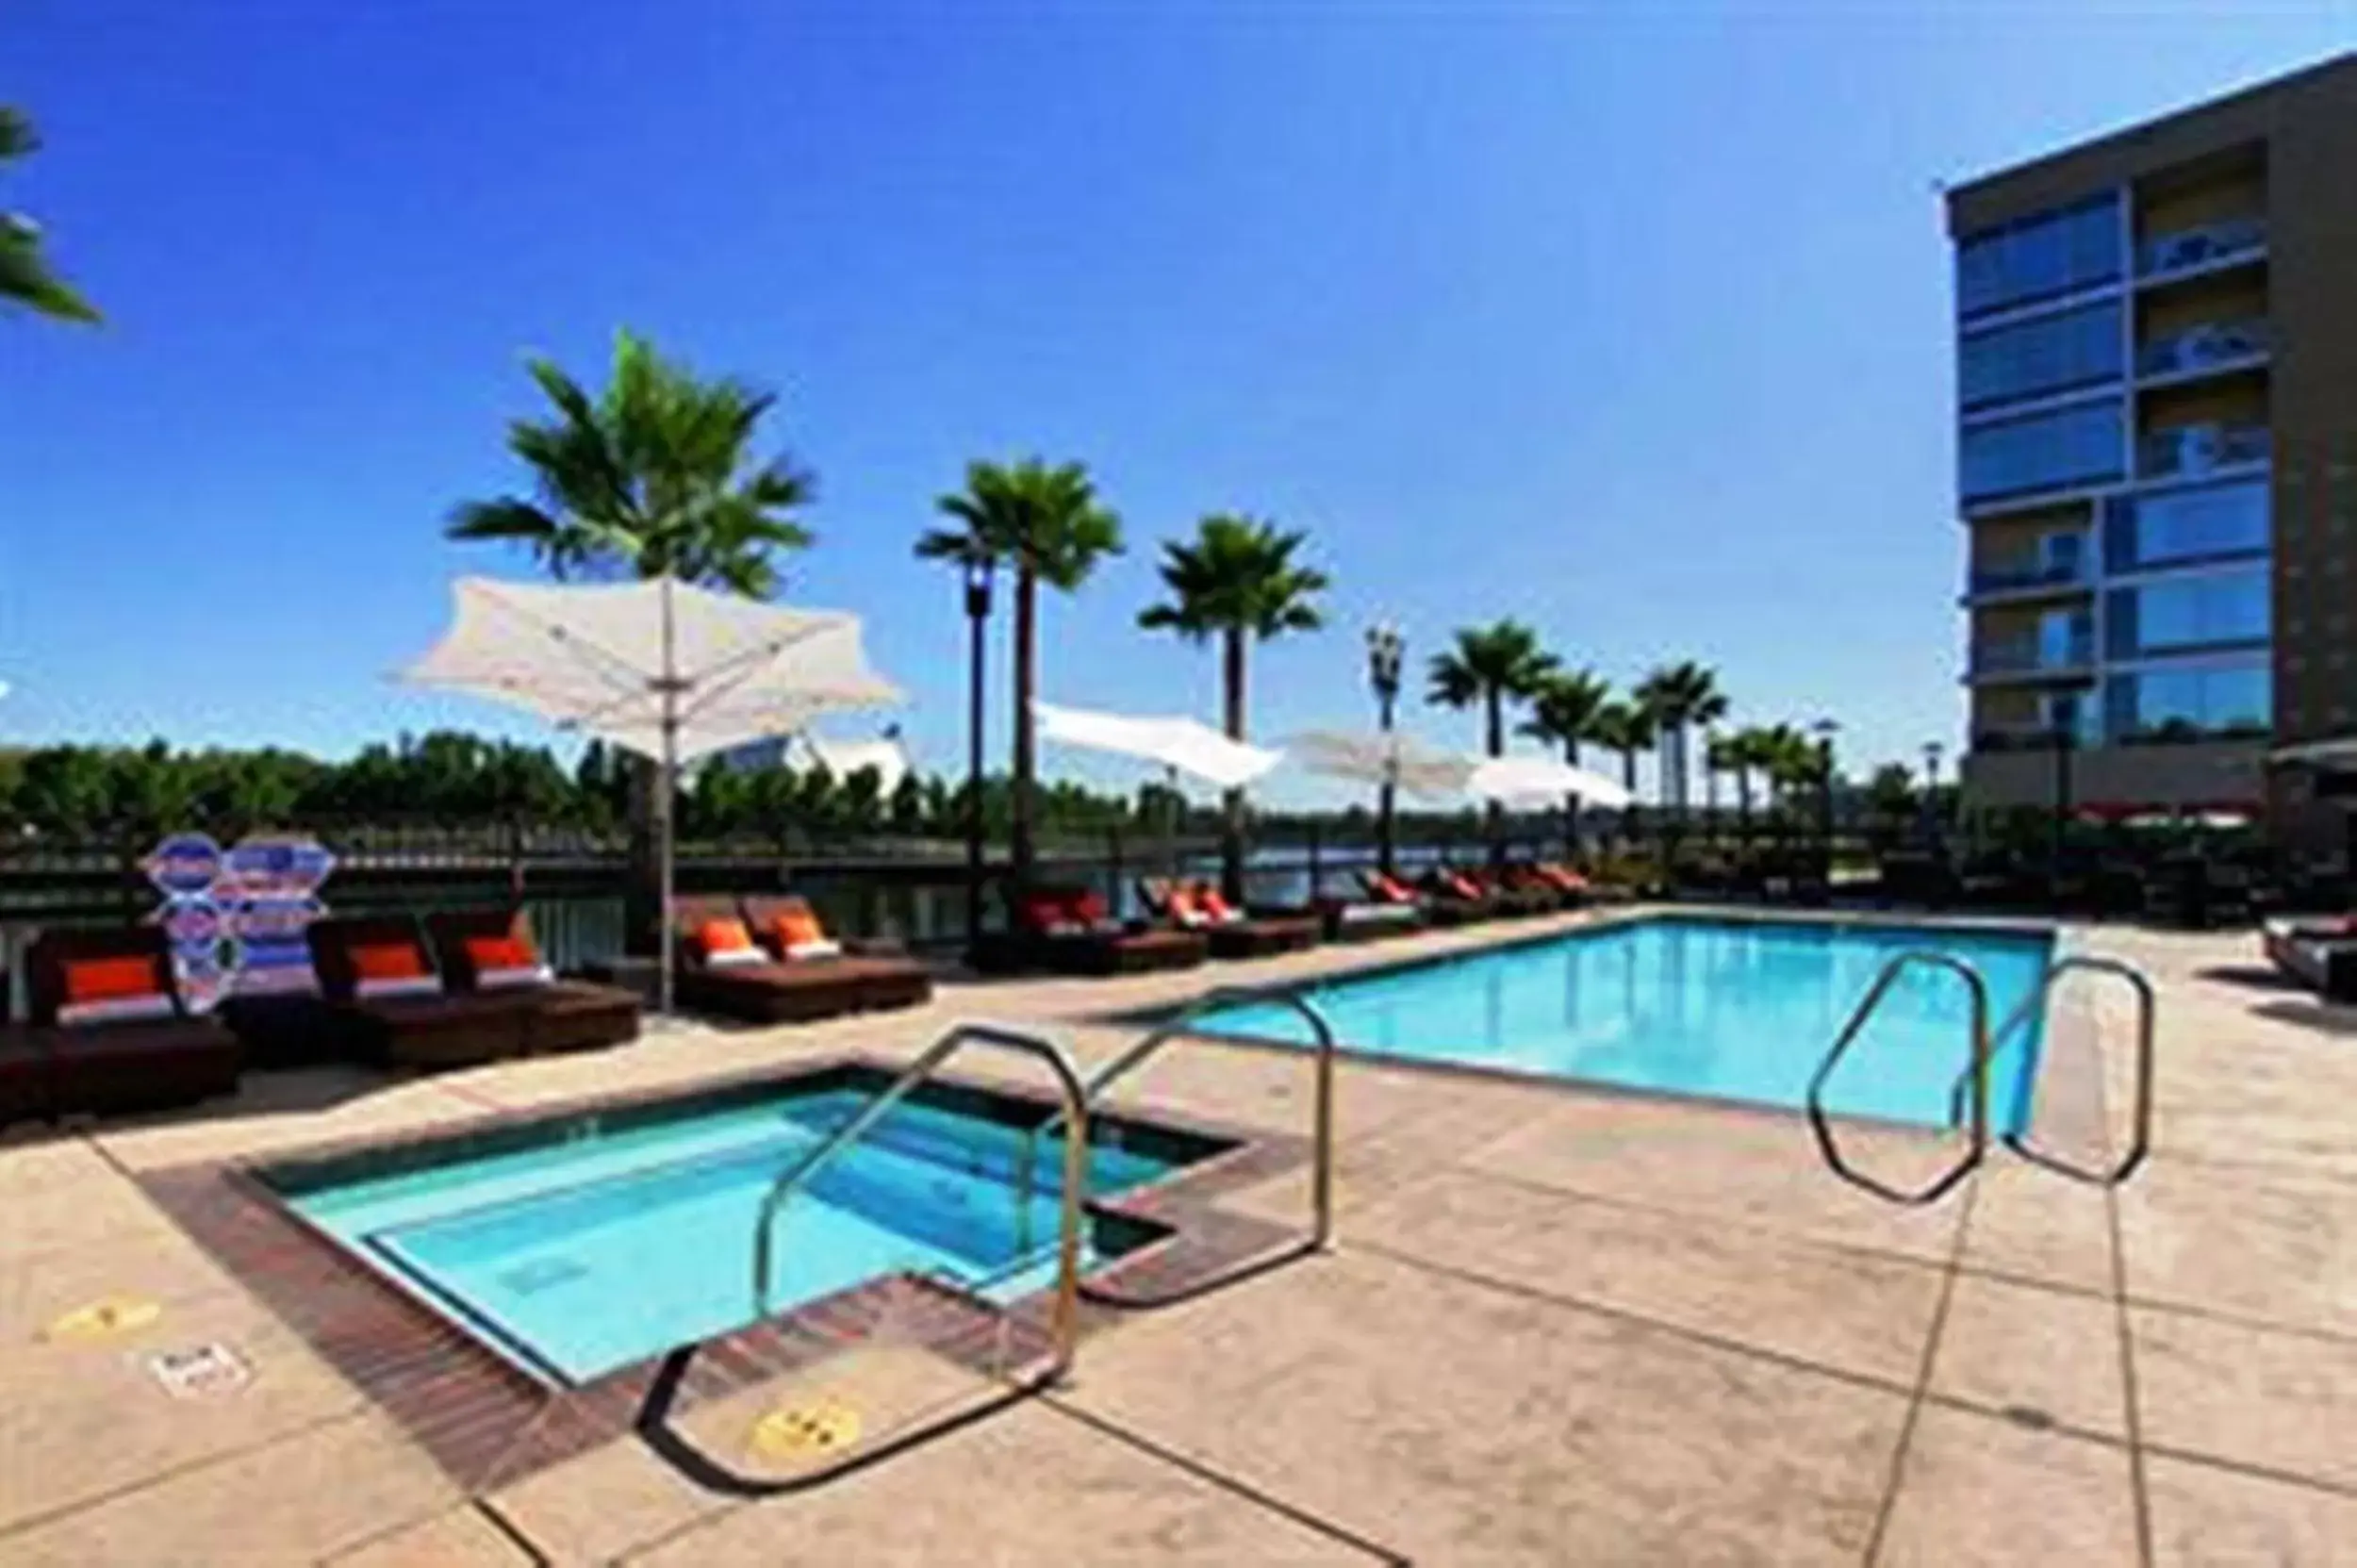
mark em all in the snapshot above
pixel 1630 319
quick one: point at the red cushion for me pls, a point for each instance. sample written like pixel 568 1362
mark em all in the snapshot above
pixel 89 980
pixel 1213 905
pixel 387 960
pixel 1088 907
pixel 1043 910
pixel 488 954
pixel 1460 885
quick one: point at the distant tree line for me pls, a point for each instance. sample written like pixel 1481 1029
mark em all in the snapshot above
pixel 458 780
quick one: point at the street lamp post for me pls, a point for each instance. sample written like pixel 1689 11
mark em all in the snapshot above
pixel 1386 650
pixel 1825 728
pixel 1932 750
pixel 2064 735
pixel 978 583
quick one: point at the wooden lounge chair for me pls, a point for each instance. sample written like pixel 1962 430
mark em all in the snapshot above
pixel 1447 884
pixel 723 969
pixel 2320 952
pixel 386 999
pixel 1367 920
pixel 790 931
pixel 1230 933
pixel 1571 888
pixel 490 951
pixel 1069 931
pixel 108 1030
pixel 1507 895
pixel 1384 888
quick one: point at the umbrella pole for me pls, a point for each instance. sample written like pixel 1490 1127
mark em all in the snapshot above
pixel 666 795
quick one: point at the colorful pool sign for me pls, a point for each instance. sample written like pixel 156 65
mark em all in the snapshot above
pixel 235 919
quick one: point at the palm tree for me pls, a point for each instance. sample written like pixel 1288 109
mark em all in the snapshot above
pixel 1491 665
pixel 1740 754
pixel 1236 578
pixel 24 275
pixel 1047 524
pixel 1626 728
pixel 1722 754
pixel 1564 713
pixel 1680 696
pixel 652 477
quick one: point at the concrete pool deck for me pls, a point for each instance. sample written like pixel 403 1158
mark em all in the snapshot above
pixel 1558 1326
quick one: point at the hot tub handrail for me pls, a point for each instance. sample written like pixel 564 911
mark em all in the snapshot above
pixel 1064 1327
pixel 1177 1026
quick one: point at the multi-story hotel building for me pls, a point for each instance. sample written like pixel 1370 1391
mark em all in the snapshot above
pixel 2156 415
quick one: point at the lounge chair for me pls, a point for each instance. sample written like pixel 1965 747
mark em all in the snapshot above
pixel 387 1000
pixel 790 931
pixel 1522 880
pixel 1440 910
pixel 1571 887
pixel 727 968
pixel 491 951
pixel 108 1030
pixel 2320 952
pixel 1069 931
pixel 1230 931
pixel 1448 882
pixel 1367 920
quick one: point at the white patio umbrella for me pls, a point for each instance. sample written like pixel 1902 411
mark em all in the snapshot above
pixel 1182 745
pixel 1365 758
pixel 1174 744
pixel 1535 778
pixel 660 668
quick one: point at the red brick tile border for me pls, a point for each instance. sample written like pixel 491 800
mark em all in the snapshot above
pixel 488 1424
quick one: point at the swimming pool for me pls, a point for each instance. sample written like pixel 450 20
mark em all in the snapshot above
pixel 1740 1010
pixel 577 1244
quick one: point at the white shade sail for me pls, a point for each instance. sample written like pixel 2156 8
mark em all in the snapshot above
pixel 621 661
pixel 1374 758
pixel 1193 748
pixel 1535 778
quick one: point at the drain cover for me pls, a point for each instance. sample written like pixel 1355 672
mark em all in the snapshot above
pixel 199 1373
pixel 104 1318
pixel 807 1431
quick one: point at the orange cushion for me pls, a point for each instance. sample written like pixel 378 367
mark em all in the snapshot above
pixel 488 954
pixel 387 960
pixel 1181 902
pixel 89 980
pixel 1458 884
pixel 797 927
pixel 1395 889
pixel 1213 905
pixel 722 936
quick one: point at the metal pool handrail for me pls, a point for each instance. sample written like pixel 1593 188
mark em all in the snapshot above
pixel 2140 1134
pixel 1978 1147
pixel 1065 1323
pixel 1179 1025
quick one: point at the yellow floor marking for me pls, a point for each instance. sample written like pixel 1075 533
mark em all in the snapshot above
pixel 825 1425
pixel 104 1318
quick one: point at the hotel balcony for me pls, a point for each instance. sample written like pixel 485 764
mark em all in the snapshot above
pixel 2021 581
pixel 2209 348
pixel 2192 449
pixel 2030 658
pixel 2202 248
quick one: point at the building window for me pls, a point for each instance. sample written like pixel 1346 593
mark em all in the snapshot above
pixel 2149 705
pixel 2039 257
pixel 2078 348
pixel 2185 613
pixel 2215 523
pixel 2070 446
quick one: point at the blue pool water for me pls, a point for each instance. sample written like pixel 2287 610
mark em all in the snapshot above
pixel 1741 1010
pixel 589 1249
